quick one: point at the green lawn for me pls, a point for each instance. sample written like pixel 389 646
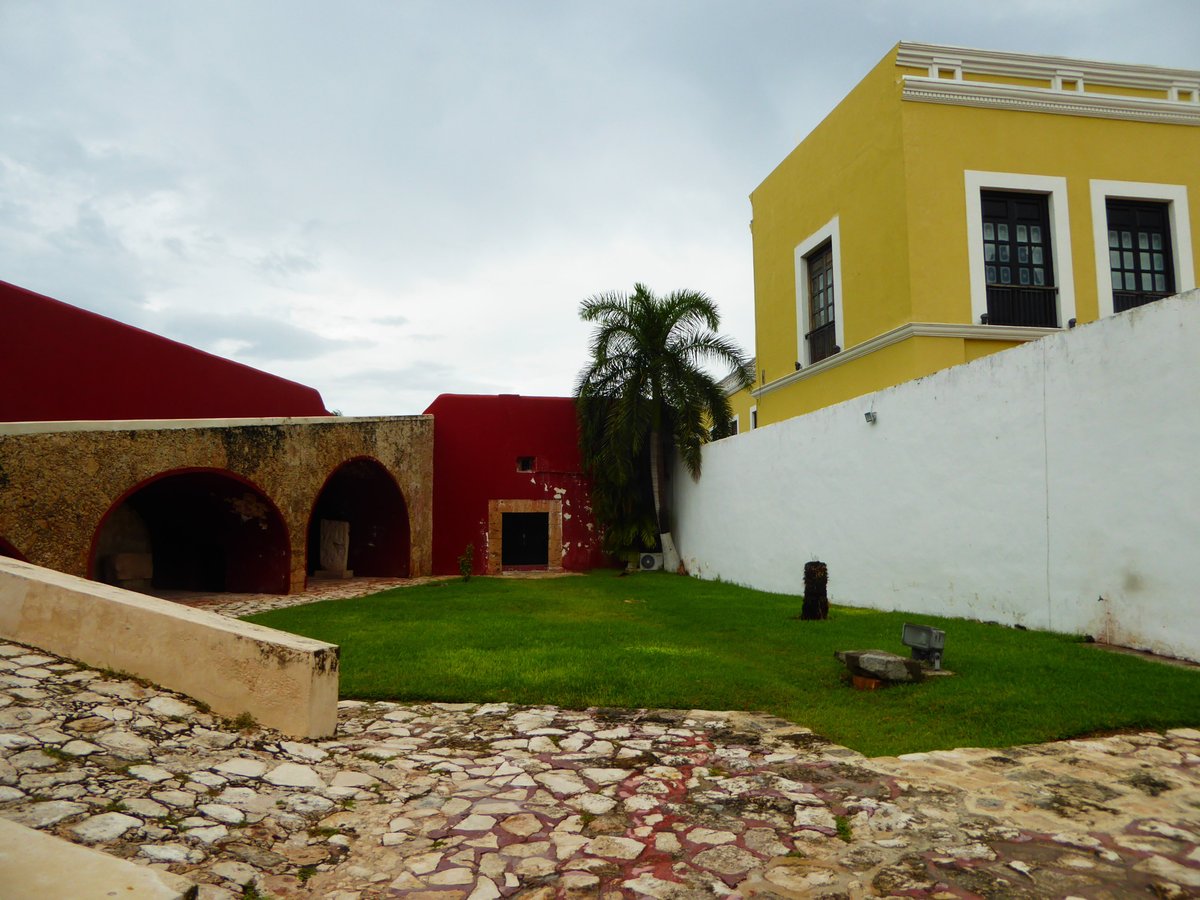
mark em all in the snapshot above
pixel 660 640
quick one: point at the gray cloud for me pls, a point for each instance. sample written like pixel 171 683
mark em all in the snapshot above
pixel 258 338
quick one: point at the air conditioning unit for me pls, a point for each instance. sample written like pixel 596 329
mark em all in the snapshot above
pixel 650 562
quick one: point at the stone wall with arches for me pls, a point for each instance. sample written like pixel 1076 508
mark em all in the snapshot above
pixel 235 501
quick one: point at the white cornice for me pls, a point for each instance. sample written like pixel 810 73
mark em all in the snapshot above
pixel 903 333
pixel 990 95
pixel 1026 65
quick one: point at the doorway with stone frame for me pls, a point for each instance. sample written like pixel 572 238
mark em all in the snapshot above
pixel 516 529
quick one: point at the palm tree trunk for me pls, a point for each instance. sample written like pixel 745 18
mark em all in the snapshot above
pixel 658 477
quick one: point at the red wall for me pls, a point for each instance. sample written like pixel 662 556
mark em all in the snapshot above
pixel 60 363
pixel 476 442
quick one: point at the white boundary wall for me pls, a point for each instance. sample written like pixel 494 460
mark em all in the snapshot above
pixel 1022 487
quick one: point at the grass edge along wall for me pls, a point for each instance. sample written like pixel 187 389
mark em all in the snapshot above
pixel 893 185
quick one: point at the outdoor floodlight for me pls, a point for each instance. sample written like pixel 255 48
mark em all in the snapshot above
pixel 927 643
pixel 870 417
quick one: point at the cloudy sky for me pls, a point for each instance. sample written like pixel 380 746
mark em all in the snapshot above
pixel 391 200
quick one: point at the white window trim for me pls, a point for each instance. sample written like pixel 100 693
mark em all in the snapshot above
pixel 1179 218
pixel 753 417
pixel 1055 188
pixel 830 232
pixel 736 428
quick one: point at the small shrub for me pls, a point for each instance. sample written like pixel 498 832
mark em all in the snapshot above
pixel 244 722
pixel 466 562
pixel 844 831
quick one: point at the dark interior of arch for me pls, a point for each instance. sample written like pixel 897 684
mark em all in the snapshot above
pixel 7 549
pixel 363 494
pixel 195 531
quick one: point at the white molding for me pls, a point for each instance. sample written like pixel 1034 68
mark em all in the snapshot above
pixel 1060 234
pixel 753 417
pixel 736 425
pixel 989 95
pixel 1028 65
pixel 831 232
pixel 1179 216
pixel 903 333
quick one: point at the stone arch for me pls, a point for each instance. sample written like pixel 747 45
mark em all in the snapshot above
pixel 363 493
pixel 193 529
pixel 7 549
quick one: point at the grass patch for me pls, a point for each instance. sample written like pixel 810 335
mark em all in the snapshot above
pixel 659 640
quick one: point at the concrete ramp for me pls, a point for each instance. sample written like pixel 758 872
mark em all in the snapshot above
pixel 284 681
pixel 33 864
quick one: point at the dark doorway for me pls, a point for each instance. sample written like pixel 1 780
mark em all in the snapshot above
pixel 525 539
pixel 194 531
pixel 364 494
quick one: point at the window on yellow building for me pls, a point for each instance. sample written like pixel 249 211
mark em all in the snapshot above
pixel 1143 243
pixel 820 314
pixel 1041 202
pixel 1017 259
pixel 821 335
pixel 1139 252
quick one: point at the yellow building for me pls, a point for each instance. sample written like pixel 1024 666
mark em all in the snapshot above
pixel 742 403
pixel 958 202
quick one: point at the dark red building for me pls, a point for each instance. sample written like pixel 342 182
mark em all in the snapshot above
pixel 60 363
pixel 508 480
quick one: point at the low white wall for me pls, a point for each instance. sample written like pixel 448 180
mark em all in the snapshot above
pixel 286 682
pixel 1022 487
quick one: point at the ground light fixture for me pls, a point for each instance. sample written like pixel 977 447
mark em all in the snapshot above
pixel 927 642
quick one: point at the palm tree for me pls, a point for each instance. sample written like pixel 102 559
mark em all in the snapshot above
pixel 645 395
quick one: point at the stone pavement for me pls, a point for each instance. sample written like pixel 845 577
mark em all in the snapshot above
pixel 234 605
pixel 480 801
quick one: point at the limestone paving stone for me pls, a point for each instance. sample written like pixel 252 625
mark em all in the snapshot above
pixel 104 827
pixel 242 768
pixel 294 775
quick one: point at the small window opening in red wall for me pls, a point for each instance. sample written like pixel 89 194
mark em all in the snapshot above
pixel 524 463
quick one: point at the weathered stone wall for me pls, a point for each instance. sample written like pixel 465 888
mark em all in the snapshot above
pixel 58 480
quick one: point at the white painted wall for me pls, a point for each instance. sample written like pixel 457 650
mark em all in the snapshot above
pixel 1020 488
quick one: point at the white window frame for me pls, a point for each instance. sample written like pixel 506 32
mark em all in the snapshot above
pixel 1055 188
pixel 1178 217
pixel 753 417
pixel 830 232
pixel 734 422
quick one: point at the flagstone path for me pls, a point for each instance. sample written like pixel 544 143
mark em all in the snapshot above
pixel 480 801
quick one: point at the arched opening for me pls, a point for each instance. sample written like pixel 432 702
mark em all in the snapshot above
pixel 362 495
pixel 194 530
pixel 7 549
